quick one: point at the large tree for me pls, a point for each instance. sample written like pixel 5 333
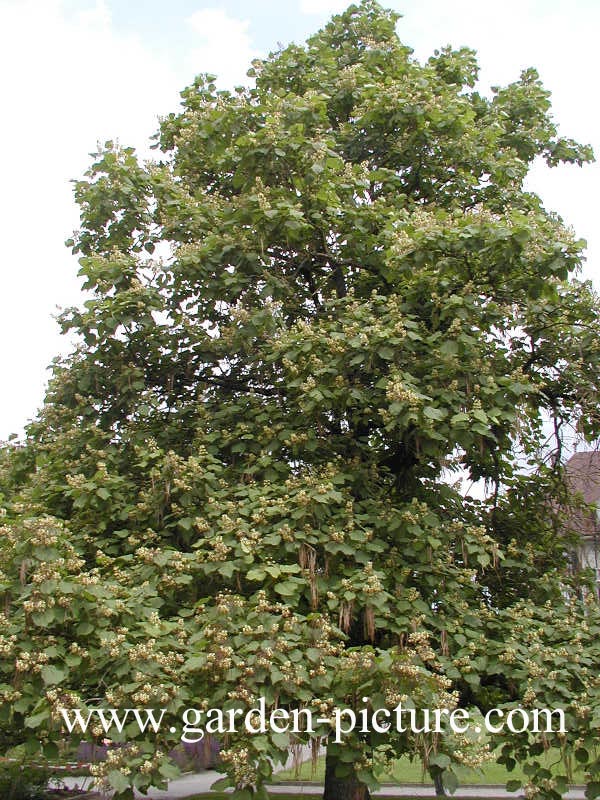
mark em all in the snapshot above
pixel 328 293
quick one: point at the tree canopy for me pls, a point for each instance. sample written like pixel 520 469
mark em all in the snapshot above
pixel 328 294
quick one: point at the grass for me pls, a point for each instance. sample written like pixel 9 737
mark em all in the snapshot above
pixel 411 771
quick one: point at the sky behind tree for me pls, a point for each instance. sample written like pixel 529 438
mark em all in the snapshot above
pixel 76 72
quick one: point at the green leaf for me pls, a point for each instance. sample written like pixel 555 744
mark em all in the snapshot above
pixel 385 352
pixel 36 720
pixel 118 781
pixel 52 675
pixel 450 781
pixel 45 618
pixel 286 588
pixel 592 790
pixel 434 413
pixel 227 569
pixel 169 771
pixel 273 570
pixel 256 574
pixel 221 783
pixel 85 628
pixel 241 794
pixel 440 760
pixel 281 740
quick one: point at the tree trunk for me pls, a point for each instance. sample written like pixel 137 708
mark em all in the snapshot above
pixel 347 788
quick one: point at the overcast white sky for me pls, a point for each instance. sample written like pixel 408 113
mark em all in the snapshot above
pixel 75 72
